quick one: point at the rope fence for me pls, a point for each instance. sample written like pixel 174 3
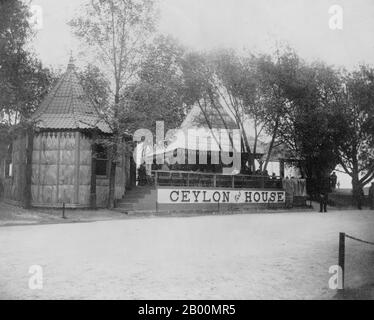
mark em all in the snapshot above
pixel 359 240
pixel 341 262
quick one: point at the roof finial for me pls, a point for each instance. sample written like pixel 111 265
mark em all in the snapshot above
pixel 71 60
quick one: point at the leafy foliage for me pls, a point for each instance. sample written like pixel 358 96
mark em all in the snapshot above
pixel 159 93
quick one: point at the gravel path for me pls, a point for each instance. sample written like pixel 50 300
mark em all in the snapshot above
pixel 253 256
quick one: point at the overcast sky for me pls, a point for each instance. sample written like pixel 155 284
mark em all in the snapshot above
pixel 251 24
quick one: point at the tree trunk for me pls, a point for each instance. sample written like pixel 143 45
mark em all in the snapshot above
pixel 113 165
pixel 93 172
pixel 357 191
pixel 112 178
pixel 271 144
pixel 28 169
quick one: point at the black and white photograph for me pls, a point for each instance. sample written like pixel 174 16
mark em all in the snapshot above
pixel 186 150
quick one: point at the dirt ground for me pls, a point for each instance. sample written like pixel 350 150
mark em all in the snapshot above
pixel 244 256
pixel 13 215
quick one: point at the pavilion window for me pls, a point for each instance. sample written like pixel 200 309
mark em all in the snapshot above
pixel 102 160
pixel 8 167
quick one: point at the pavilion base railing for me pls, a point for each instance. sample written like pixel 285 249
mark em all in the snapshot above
pixel 214 180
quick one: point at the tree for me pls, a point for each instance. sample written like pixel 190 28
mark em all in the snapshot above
pixel 249 86
pixel 244 87
pixel 23 80
pixel 116 31
pixel 309 127
pixel 356 118
pixel 97 87
pixel 200 88
pixel 159 93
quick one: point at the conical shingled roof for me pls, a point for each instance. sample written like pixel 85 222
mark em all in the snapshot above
pixel 68 107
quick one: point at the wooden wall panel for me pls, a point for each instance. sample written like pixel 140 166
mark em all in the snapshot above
pixel 48 195
pixel 85 157
pixel 67 157
pixel 48 157
pixel 84 195
pixel 62 171
pixel 35 179
pixel 67 175
pixel 84 175
pixel 66 194
pixel 102 194
pixel 34 193
pixel 67 141
pixel 48 175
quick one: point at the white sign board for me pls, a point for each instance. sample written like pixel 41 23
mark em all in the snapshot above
pixel 206 196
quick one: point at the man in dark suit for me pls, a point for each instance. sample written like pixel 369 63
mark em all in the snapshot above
pixel 324 195
pixel 324 198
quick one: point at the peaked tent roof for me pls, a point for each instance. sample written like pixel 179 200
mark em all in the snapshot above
pixel 218 118
pixel 67 106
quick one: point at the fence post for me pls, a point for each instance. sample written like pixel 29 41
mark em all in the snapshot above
pixel 63 211
pixel 342 255
pixel 262 183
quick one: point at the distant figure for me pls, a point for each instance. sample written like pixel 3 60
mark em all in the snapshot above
pixel 142 174
pixel 165 167
pixel 333 180
pixel 325 188
pixel 273 176
pixel 338 184
pixel 154 165
pixel 323 202
pixel 371 196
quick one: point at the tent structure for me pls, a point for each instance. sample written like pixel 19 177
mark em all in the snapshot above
pixel 211 131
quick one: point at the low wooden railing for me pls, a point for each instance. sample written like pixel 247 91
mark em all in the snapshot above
pixel 214 180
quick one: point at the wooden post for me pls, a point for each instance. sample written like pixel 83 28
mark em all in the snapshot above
pixel 28 169
pixel 63 211
pixel 77 167
pixel 112 176
pixel 58 166
pixel 93 171
pixel 262 182
pixel 281 168
pixel 342 255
